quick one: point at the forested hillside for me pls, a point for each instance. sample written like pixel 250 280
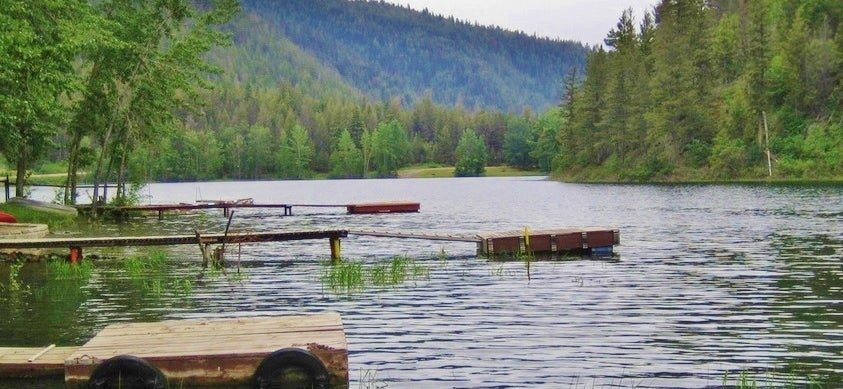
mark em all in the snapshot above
pixel 711 90
pixel 387 51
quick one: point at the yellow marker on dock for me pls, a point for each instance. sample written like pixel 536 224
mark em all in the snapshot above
pixel 527 238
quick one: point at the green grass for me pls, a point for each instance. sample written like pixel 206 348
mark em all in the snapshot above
pixel 140 266
pixel 32 216
pixel 350 276
pixel 64 270
pixel 344 276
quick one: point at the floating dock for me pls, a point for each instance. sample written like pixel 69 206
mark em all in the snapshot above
pixel 384 207
pixel 260 352
pixel 227 206
pixel 222 352
pixel 589 240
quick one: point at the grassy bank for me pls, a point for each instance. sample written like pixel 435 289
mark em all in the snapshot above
pixel 448 171
pixel 29 215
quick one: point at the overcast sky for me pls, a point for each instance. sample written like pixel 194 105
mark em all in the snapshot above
pixel 587 21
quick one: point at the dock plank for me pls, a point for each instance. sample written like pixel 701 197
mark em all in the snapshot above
pixel 14 361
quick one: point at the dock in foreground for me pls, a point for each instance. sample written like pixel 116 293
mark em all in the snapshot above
pixel 236 352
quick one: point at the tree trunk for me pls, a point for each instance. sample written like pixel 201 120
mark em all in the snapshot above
pixel 72 170
pixel 21 169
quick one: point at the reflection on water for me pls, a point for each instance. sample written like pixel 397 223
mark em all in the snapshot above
pixel 708 280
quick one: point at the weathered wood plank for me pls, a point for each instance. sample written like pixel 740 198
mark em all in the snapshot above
pixel 14 361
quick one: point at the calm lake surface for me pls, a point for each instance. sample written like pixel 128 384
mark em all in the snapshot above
pixel 708 280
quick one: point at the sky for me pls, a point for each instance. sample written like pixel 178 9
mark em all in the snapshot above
pixel 586 21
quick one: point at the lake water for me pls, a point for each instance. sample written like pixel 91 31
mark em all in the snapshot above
pixel 708 280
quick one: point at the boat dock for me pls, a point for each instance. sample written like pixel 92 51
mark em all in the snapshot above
pixel 231 352
pixel 590 240
pixel 227 206
pixel 76 244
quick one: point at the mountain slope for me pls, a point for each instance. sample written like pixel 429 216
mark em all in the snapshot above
pixel 383 51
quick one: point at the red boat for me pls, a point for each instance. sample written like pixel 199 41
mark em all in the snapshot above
pixel 6 218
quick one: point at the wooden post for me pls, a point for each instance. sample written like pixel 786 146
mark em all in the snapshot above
pixel 202 249
pixel 335 249
pixel 75 255
pixel 767 144
pixel 7 184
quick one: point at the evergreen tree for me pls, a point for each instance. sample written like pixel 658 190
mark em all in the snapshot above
pixel 346 160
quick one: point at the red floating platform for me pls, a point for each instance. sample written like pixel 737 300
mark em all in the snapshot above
pixel 385 207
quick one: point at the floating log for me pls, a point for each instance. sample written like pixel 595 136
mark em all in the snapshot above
pixel 383 207
pixel 216 352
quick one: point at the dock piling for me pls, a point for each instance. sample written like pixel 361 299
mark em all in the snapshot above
pixel 335 249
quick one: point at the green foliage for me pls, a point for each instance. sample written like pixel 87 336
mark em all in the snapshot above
pixel 296 153
pixel 517 144
pixel 471 155
pixel 41 39
pixel 351 276
pixel 62 270
pixel 389 148
pixel 685 98
pixel 141 266
pixel 346 160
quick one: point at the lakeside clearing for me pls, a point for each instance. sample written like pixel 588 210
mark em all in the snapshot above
pixel 448 171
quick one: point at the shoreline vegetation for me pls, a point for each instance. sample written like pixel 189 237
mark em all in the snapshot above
pixel 441 171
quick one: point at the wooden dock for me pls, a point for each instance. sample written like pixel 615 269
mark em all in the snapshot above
pixel 76 244
pixel 235 352
pixel 227 206
pixel 218 352
pixel 589 240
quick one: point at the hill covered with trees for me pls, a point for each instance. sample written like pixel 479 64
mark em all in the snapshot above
pixel 386 51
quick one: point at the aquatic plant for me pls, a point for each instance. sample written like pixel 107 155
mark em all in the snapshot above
pixel 14 272
pixel 140 266
pixel 346 275
pixel 786 381
pixel 64 270
pixel 353 275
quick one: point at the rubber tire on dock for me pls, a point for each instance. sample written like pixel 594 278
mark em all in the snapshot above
pixel 126 371
pixel 290 357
